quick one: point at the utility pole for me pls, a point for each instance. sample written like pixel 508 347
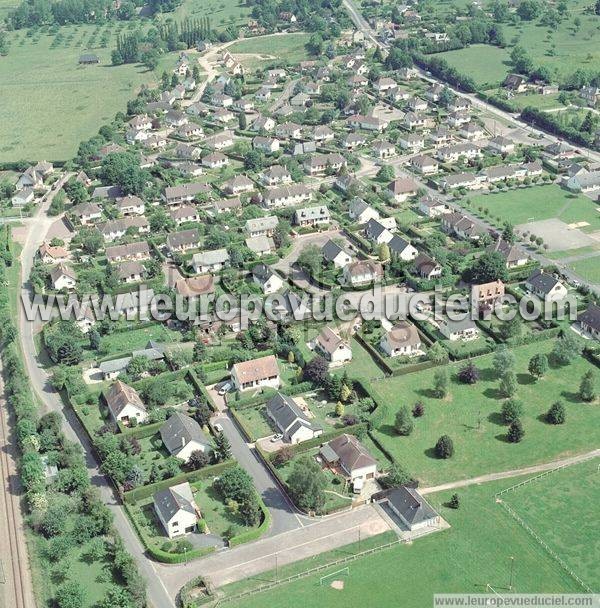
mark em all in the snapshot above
pixel 276 568
pixel 512 570
pixel 359 539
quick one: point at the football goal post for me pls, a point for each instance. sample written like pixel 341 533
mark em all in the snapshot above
pixel 343 572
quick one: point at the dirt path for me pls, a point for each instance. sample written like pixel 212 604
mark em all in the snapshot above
pixel 538 468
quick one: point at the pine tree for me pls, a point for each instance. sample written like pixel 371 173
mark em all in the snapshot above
pixel 403 424
pixel 454 501
pixel 587 388
pixel 515 431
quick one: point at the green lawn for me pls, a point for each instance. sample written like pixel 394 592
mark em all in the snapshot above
pixel 286 47
pixel 539 203
pixel 256 422
pixel 542 102
pixel 589 269
pixel 487 65
pixel 470 415
pixel 50 103
pixel 473 553
pixel 573 490
pixel 222 13
pixel 134 339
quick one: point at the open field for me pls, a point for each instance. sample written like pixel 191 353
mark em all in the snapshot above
pixel 471 416
pixel 589 269
pixel 540 203
pixel 542 102
pixel 222 13
pixel 572 490
pixel 487 65
pixel 50 103
pixel 473 553
pixel 276 48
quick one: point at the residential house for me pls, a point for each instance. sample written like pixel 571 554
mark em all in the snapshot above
pixel 346 455
pixel 182 436
pixel 362 272
pixel 261 226
pixel 184 214
pixel 63 277
pixel 260 245
pixel 501 145
pixel 312 216
pixel 590 95
pixel 232 205
pixel 335 254
pixel 256 373
pixel 52 255
pixel 361 211
pixel 452 154
pixel 486 295
pixel 176 509
pixel 210 261
pixel 383 149
pixel 268 280
pixel 403 188
pixel 183 240
pixel 375 231
pixel 514 256
pixel 401 249
pixel 322 163
pixel 424 164
pixel 130 272
pixel 285 196
pixel 546 286
pixel 409 506
pixel 86 213
pixel 130 205
pixel 332 347
pixel 216 160
pixel 471 131
pixel 130 251
pixel 461 226
pixel 590 321
pixel 291 420
pixel 275 175
pixel 427 267
pixel 464 330
pixel 402 340
pixel 411 141
pixel 124 404
pixel 238 185
pixel 268 145
pixel 185 193
pixel 432 207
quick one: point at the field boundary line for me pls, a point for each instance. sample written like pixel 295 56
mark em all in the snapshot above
pixel 512 512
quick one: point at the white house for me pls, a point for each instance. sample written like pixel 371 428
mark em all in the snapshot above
pixel 346 455
pixel 63 277
pixel 332 347
pixel 546 287
pixel 291 420
pixel 176 509
pixel 124 404
pixel 402 340
pixel 269 281
pixel 210 261
pixel 410 507
pixel 459 330
pixel 256 373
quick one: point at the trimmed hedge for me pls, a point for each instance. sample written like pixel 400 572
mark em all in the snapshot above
pixel 292 389
pixel 254 533
pixel 142 492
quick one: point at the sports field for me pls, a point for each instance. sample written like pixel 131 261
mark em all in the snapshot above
pixel 572 490
pixel 540 203
pixel 471 417
pixel 50 103
pixel 589 269
pixel 473 553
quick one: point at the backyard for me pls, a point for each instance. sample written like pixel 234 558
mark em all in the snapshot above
pixel 473 553
pixel 470 415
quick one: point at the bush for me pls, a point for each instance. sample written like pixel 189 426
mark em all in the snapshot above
pixel 512 410
pixel 444 448
pixel 515 431
pixel 556 414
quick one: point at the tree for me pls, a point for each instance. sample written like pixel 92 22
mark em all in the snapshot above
pixel 508 384
pixel 504 361
pixel 587 386
pixel 512 409
pixel 444 448
pixel 397 476
pixel 198 459
pixel 384 252
pixel 63 343
pixel 437 353
pixel 556 414
pixel 515 431
pixel 418 409
pixel 234 484
pixel 386 173
pixel 489 267
pixel 222 447
pixel 123 169
pixel 511 328
pixel 203 413
pixel 566 348
pixel 70 595
pixel 538 365
pixel 454 501
pixel 307 483
pixel 403 425
pixel 469 374
pixel 440 383
pixel 316 370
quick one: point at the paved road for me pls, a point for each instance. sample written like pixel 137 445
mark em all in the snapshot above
pixel 51 401
pixel 251 559
pixel 538 468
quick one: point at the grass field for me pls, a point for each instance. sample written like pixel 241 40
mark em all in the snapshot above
pixel 222 13
pixel 473 553
pixel 573 490
pixel 589 269
pixel 285 47
pixel 487 65
pixel 540 203
pixel 470 415
pixel 542 102
pixel 50 103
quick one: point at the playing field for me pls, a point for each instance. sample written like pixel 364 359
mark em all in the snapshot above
pixel 540 203
pixel 471 417
pixel 487 65
pixel 473 553
pixel 50 103
pixel 589 269
pixel 571 490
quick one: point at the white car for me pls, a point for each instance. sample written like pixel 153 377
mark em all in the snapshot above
pixel 218 428
pixel 276 438
pixel 225 388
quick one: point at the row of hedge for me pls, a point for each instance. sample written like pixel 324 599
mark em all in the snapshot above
pixel 267 393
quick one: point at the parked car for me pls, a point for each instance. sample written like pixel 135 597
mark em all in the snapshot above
pixel 225 388
pixel 218 428
pixel 276 437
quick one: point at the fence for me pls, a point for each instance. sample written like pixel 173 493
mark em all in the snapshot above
pixel 532 532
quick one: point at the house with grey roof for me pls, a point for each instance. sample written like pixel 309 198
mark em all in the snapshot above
pixel 261 226
pixel 210 261
pixel 590 321
pixel 409 506
pixel 347 456
pixel 183 240
pixel 291 420
pixel 312 216
pixel 336 254
pixel 182 435
pixel 546 286
pixel 176 509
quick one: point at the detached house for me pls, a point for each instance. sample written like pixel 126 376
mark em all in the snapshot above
pixel 238 185
pixel 424 164
pixel 176 509
pixel 267 279
pixel 210 261
pixel 124 404
pixel 412 509
pixel 130 205
pixel 402 340
pixel 426 267
pixel 513 255
pixel 63 277
pixel 291 420
pixel 183 241
pixel 347 456
pixel 336 254
pixel 131 251
pixel 182 435
pixel 261 226
pixel 403 188
pixel 362 272
pixel 332 347
pixel 312 216
pixel 255 374
pixel 590 321
pixel 465 329
pixel 486 295
pixel 546 287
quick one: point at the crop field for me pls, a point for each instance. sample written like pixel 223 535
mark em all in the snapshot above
pixel 572 490
pixel 50 103
pixel 473 553
pixel 470 415
pixel 540 203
